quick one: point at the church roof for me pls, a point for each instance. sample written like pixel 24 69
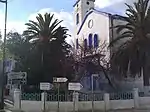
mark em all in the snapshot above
pixel 76 3
pixel 115 16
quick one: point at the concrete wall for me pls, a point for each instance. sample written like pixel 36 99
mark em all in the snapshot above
pixel 82 106
pixel 121 104
pixel 144 101
pixel 64 106
pixel 107 104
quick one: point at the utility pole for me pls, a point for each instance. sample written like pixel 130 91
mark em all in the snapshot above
pixel 4 57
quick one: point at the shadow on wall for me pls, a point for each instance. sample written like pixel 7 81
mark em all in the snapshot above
pixel 101 84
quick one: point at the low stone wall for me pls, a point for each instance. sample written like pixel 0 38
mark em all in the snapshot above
pixel 124 100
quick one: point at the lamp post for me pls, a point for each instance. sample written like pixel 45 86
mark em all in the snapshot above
pixel 93 75
pixel 4 56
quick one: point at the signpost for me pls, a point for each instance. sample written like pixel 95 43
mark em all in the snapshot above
pixel 59 80
pixel 16 80
pixel 45 87
pixel 74 87
pixel 93 75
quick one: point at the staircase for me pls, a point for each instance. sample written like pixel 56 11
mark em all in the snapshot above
pixel 9 104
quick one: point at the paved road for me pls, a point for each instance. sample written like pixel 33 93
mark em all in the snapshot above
pixel 131 110
pixel 127 110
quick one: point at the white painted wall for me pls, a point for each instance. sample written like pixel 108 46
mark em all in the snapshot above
pixel 136 102
pixel 121 104
pixel 100 27
pixel 81 8
pixel 101 24
pixel 82 106
pixel 144 101
pixel 64 106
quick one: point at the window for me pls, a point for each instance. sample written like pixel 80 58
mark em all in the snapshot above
pixel 90 40
pixel 87 3
pixel 77 18
pixel 95 41
pixel 77 44
pixel 85 44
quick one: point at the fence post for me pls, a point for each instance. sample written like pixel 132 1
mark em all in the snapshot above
pixel 107 101
pixel 44 99
pixel 17 99
pixel 75 101
pixel 136 97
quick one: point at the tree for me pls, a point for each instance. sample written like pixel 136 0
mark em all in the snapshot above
pixel 50 44
pixel 91 60
pixel 133 54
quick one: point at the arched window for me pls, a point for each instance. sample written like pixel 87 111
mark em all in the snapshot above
pixel 77 18
pixel 90 40
pixel 77 44
pixel 85 44
pixel 95 40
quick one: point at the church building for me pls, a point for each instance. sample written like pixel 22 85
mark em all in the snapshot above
pixel 92 28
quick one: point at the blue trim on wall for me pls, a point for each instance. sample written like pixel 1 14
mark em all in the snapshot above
pixel 90 39
pixel 76 3
pixel 95 40
pixel 85 44
pixel 92 10
pixel 115 16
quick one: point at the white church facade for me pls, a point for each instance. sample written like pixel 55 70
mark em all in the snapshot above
pixel 91 26
pixel 92 29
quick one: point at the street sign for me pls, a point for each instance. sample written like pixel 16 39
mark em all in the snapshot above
pixel 55 79
pixel 95 75
pixel 17 75
pixel 75 86
pixel 46 86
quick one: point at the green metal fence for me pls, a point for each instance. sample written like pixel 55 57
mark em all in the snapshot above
pixel 31 96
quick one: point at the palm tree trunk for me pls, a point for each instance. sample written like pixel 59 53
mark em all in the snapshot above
pixel 146 75
pixel 146 70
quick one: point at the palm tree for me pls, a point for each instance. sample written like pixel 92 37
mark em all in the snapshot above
pixel 42 32
pixel 133 55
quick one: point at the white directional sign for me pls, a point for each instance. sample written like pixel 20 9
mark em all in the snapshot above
pixel 46 86
pixel 75 86
pixel 17 75
pixel 60 79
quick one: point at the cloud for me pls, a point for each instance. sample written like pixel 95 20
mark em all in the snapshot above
pixel 106 3
pixel 117 6
pixel 11 25
pixel 61 15
pixel 20 25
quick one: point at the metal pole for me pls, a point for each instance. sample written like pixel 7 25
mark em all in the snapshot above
pixel 92 96
pixel 4 56
pixel 74 101
pixel 44 100
pixel 58 97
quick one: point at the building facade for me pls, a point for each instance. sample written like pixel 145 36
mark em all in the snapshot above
pixel 92 28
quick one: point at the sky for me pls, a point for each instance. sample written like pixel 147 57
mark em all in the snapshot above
pixel 20 11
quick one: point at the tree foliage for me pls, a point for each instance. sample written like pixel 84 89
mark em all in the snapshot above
pixel 92 61
pixel 47 56
pixel 133 54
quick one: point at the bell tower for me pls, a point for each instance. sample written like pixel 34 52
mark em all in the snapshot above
pixel 81 7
